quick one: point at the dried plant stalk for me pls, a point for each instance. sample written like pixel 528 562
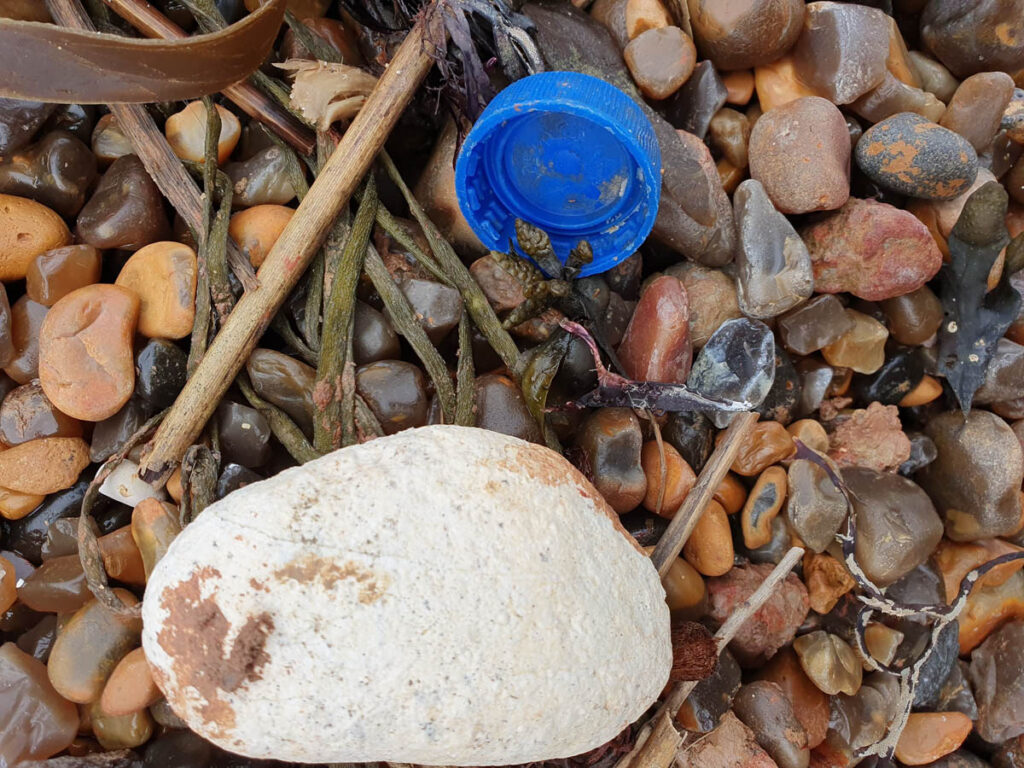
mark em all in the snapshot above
pixel 295 248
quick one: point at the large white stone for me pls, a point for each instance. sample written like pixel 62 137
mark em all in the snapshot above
pixel 446 595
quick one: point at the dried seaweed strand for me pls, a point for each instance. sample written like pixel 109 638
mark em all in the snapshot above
pixel 331 422
pixel 404 320
pixel 465 396
pixel 473 296
pixel 215 241
pixel 282 326
pixel 88 545
pixel 316 45
pixel 285 430
pixel 649 751
pixel 387 221
pixel 366 420
pixel 199 469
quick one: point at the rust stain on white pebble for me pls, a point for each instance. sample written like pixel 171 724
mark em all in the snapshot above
pixel 443 596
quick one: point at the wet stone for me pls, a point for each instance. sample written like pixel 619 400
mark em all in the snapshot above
pixel 160 372
pixel 772 263
pixel 437 307
pixel 893 96
pixel 767 443
pixel 27 228
pixel 1004 378
pixel 164 276
pixel 806 700
pixel 186 132
pixel 27 414
pixel 745 34
pixel 872 250
pixel 56 586
pixel 85 351
pixel 997 675
pixel 261 179
pixel 233 477
pixel 110 435
pixel 783 399
pixel 773 626
pixel 922 453
pixel 500 407
pixel 869 437
pixel 660 60
pixel 155 524
pixel 813 325
pixel 36 721
pixel 256 229
pixel 26 319
pixel 829 662
pixel 765 709
pixel 108 140
pixel 810 433
pixel 897 526
pixel 763 505
pixel 711 296
pixel 38 641
pixel 729 133
pixel 712 697
pixel 608 446
pixel 739 86
pixel 15 505
pixel 373 338
pixel 285 382
pixel 696 102
pixel 56 171
pixel 815 508
pixel 27 535
pixel 685 593
pixel 913 317
pixel 126 209
pixel 975 479
pixel 76 119
pixel 710 548
pixel 62 538
pixel 19 121
pixel 862 348
pixel 54 274
pixel 244 434
pixel 800 152
pixel 737 363
pixel 7 350
pixel 656 345
pixel 971 37
pixel 692 434
pixel 665 494
pixel 910 155
pixel 976 109
pixel 936 670
pixel 115 732
pixel 396 392
pixel 130 687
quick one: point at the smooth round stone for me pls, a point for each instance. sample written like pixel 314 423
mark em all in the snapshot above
pixel 862 348
pixel 892 96
pixel 396 392
pixel 108 140
pixel 186 132
pixel 117 732
pixel 692 434
pixel 609 444
pixel 767 443
pixel 285 382
pixel 256 229
pixel 6 334
pixel 740 86
pixel 737 363
pixel 38 640
pixel 971 36
pixel 1004 379
pixel 155 524
pixel 931 735
pixel 745 34
pixel 665 493
pixel 807 701
pixel 500 407
pixel 656 345
pixel 897 525
pixel 765 709
pixel 14 505
pixel 121 558
pixel 660 60
pixel 711 297
pixel 710 549
pixel 829 662
pixel 130 687
pixel 772 264
pixel 913 317
pixel 872 250
pixel 842 50
pixel 975 480
pixel 56 171
pixel 437 307
pixel 27 229
pixel 19 121
pixel 976 109
pixel 26 321
pixel 164 277
pixel 390 599
pixel 934 77
pixel 54 274
pixel 800 152
pixel 177 749
pixel 260 180
pixel 76 119
pixel 373 338
pixel 27 414
pixel 37 722
pixel 910 155
pixel 244 434
pixel 997 674
pixel 815 508
pixel 729 133
pixel 27 535
pixel 126 209
pixel 85 351
pixel 813 325
pixel 160 373
pixel 62 538
pixel 43 466
pixel 233 477
pixel 8 584
pixel 777 84
pixel 56 586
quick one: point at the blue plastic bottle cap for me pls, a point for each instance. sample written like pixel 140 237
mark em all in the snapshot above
pixel 568 153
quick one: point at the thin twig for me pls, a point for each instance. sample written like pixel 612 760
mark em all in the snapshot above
pixel 465 396
pixel 297 245
pixel 697 500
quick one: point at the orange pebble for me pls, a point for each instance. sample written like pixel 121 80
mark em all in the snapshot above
pixel 8 584
pixel 731 494
pixel 739 86
pixel 14 505
pixel 767 443
pixel 931 735
pixel 174 485
pixel 679 478
pixel 927 390
pixel 130 687
pixel 256 229
pixel 121 557
pixel 709 548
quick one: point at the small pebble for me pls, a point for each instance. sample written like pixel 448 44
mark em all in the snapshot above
pixel 116 732
pixel 56 586
pixel 186 132
pixel 437 307
pixel 155 524
pixel 809 704
pixel 693 105
pixel 108 140
pixel 829 662
pixel 777 84
pixel 121 558
pixel 256 229
pixel 862 348
pixel 711 296
pixel 810 433
pixel 43 466
pixel 685 593
pixel 976 109
pixel 26 321
pixel 664 496
pixel 56 171
pixel 260 180
pixel 27 414
pixel 745 34
pixel 709 548
pixel 913 317
pixel 800 152
pixel 14 505
pixel 396 392
pixel 827 580
pixel 928 736
pixel 739 86
pixel 813 325
pixel 737 363
pixel 163 275
pixel 500 407
pixel 767 443
pixel 285 382
pixel 870 437
pixel 110 435
pixel 19 121
pixel 160 372
pixel 85 351
pixel 764 708
pixel 126 209
pixel 656 345
pixel 763 505
pixel 893 96
pixel 997 676
pixel 610 442
pixel 52 275
pixel 730 745
pixel 913 156
pixel 660 60
pixel 975 37
pixel 731 493
pixel 244 434
pixel 27 229
pixel 130 687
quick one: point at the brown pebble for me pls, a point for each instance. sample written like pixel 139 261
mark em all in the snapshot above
pixel 27 229
pixel 685 593
pixel 664 498
pixel 731 494
pixel 186 132
pixel 744 34
pixel 85 361
pixel 117 732
pixel 54 274
pixel 709 548
pixel 729 132
pixel 121 557
pixel 27 414
pixel 711 297
pixel 767 443
pixel 739 86
pixel 827 580
pixel 882 642
pixel 976 108
pixel 43 466
pixel 155 524
pixel 800 152
pixel 763 506
pixel 913 317
pixel 730 745
pixel 8 584
pixel 656 345
pixel 898 61
pixel 928 736
pixel 26 319
pixel 829 662
pixel 130 687
pixel 862 348
pixel 256 229
pixel 660 61
pixel 810 433
pixel 809 704
pixel 163 275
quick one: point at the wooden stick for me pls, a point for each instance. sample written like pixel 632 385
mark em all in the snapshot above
pixel 295 248
pixel 656 743
pixel 150 22
pixel 697 500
